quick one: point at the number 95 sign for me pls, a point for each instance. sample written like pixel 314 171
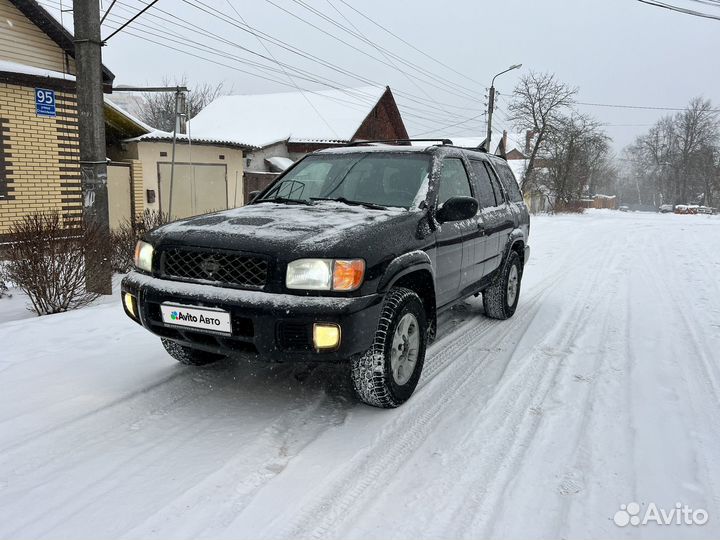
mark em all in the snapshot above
pixel 44 102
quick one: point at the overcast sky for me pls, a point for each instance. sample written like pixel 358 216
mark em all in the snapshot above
pixel 614 51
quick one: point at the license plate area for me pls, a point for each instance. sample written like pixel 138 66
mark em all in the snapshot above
pixel 211 320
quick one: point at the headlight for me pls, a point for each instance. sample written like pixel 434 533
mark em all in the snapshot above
pixel 143 256
pixel 311 274
pixel 325 274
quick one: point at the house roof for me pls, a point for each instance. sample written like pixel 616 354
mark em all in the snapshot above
pixel 328 116
pixel 123 122
pixel 54 30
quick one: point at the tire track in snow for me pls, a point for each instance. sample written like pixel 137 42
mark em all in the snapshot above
pixel 338 501
pixel 518 404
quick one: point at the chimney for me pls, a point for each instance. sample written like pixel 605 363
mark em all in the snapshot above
pixel 529 134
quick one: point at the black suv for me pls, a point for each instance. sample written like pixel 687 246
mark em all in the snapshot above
pixel 349 256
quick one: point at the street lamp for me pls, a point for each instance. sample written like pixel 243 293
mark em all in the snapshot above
pixel 491 103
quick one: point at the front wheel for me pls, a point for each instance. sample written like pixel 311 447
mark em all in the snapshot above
pixel 387 373
pixel 189 356
pixel 501 299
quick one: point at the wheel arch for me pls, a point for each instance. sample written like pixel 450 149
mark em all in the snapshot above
pixel 413 271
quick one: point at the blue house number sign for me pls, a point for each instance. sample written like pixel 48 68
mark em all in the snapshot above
pixel 44 102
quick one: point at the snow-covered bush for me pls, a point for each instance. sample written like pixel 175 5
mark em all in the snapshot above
pixel 126 236
pixel 48 262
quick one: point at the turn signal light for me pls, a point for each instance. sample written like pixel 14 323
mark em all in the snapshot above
pixel 348 274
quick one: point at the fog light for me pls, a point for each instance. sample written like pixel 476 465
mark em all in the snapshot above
pixel 326 336
pixel 130 304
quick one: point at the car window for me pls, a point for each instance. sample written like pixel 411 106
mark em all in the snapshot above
pixel 387 179
pixel 499 196
pixel 486 195
pixel 454 181
pixel 508 180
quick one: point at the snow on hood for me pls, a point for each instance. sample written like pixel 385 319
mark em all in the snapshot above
pixel 273 227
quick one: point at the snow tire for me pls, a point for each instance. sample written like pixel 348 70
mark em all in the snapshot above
pixel 496 299
pixel 371 372
pixel 189 356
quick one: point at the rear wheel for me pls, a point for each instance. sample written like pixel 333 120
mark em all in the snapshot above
pixel 387 373
pixel 501 299
pixel 188 355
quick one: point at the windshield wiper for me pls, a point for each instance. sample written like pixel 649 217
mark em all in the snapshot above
pixel 343 200
pixel 284 200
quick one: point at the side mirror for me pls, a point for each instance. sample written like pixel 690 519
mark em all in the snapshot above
pixel 253 195
pixel 457 209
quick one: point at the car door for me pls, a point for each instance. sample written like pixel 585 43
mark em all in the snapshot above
pixel 487 246
pixel 455 257
pixel 499 223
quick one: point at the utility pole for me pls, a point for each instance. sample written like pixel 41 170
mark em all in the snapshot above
pixel 491 105
pixel 491 108
pixel 91 124
pixel 180 125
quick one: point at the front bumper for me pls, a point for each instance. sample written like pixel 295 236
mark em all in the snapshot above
pixel 278 327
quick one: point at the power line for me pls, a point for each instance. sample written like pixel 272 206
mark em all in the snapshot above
pixel 446 87
pixel 143 10
pixel 639 107
pixel 686 11
pixel 284 45
pixel 262 44
pixel 426 55
pixel 217 52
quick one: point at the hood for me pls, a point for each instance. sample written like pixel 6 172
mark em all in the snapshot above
pixel 324 229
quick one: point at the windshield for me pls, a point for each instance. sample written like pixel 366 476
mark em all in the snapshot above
pixel 376 179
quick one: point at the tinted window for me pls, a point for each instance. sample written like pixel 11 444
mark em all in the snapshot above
pixel 486 196
pixel 499 197
pixel 508 180
pixel 454 181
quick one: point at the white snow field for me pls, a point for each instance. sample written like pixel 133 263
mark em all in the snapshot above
pixel 603 390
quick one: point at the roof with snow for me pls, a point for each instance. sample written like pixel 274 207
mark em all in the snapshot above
pixel 121 120
pixel 257 120
pixel 13 67
pixel 41 18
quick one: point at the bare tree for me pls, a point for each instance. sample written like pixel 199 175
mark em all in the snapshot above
pixel 158 108
pixel 677 160
pixel 697 128
pixel 578 154
pixel 539 102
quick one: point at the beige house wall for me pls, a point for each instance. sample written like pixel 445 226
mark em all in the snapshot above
pixel 147 155
pixel 24 43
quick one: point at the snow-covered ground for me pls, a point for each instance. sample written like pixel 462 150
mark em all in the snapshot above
pixel 602 390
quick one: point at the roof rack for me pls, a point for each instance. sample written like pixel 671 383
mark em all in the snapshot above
pixel 399 141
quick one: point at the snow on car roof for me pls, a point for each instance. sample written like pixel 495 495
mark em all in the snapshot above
pixel 354 149
pixel 309 116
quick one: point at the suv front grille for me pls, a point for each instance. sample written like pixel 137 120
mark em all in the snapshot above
pixel 231 269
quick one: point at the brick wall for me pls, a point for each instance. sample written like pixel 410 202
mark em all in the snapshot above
pixel 39 168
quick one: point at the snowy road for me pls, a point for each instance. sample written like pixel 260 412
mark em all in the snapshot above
pixel 602 390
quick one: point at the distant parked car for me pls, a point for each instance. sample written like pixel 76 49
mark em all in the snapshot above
pixel 666 208
pixel 705 210
pixel 681 209
pixel 624 208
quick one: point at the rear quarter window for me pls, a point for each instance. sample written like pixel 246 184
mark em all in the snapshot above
pixel 508 181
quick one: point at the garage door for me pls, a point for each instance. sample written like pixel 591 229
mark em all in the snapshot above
pixel 198 188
